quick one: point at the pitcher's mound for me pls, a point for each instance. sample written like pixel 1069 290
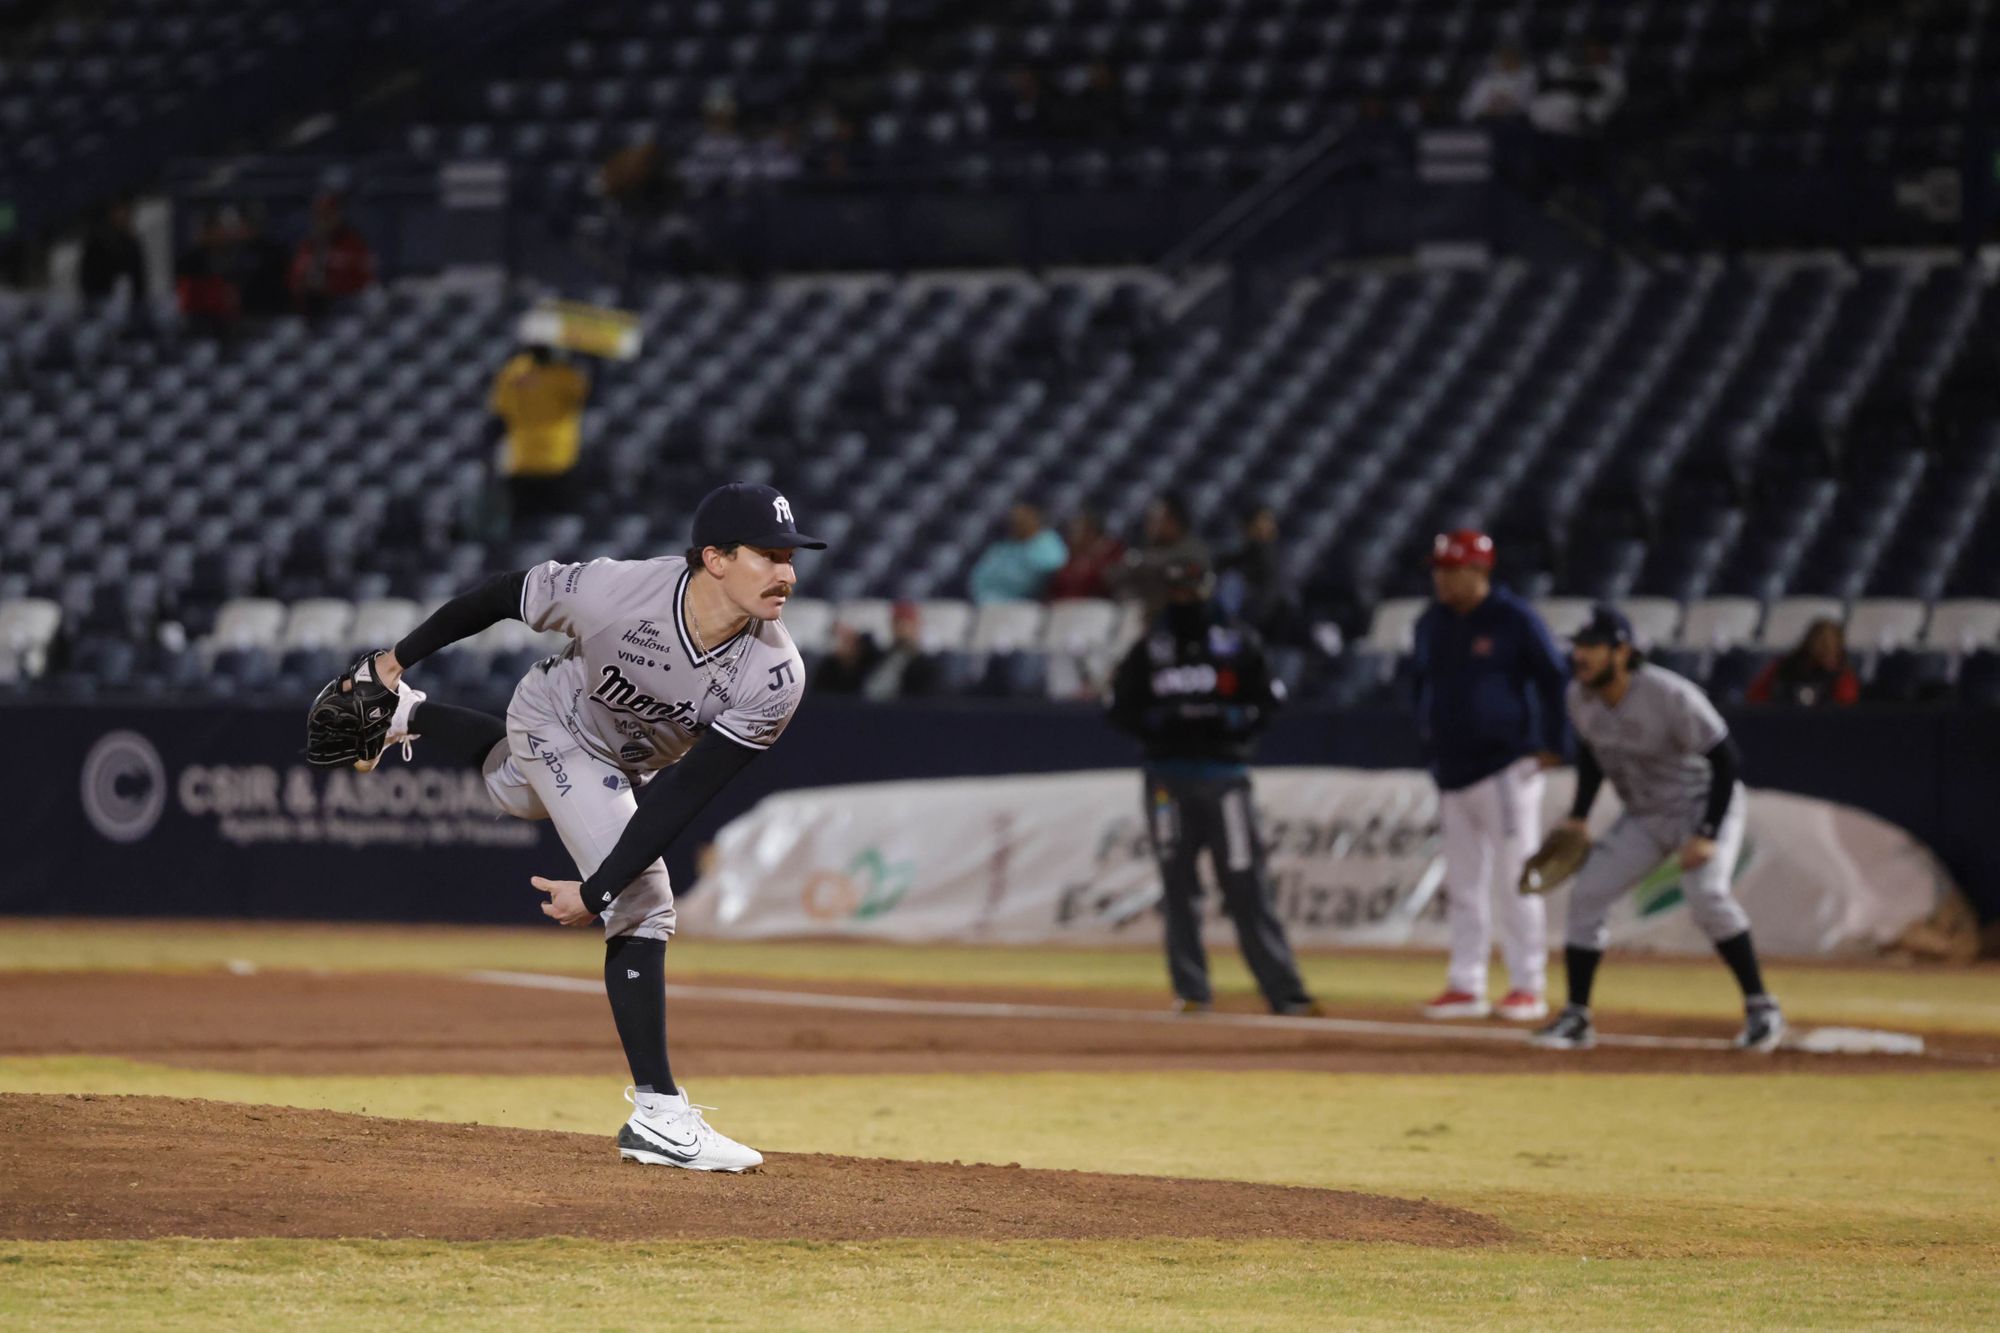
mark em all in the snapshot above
pixel 81 1167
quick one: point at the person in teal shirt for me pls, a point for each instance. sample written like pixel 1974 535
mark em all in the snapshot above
pixel 1018 566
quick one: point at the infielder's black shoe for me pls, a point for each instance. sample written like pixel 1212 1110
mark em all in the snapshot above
pixel 1193 1007
pixel 1763 1027
pixel 1571 1031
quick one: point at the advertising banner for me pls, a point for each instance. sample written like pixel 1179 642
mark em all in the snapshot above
pixel 209 812
pixel 1354 855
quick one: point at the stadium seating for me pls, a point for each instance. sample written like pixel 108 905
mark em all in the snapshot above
pixel 1007 627
pixel 1720 623
pixel 109 66
pixel 1902 100
pixel 1964 626
pixel 1093 92
pixel 1392 629
pixel 943 624
pixel 1885 624
pixel 1564 615
pixel 1787 621
pixel 1703 442
pixel 810 622
pixel 1655 620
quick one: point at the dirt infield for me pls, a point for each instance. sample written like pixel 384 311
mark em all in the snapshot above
pixel 304 1023
pixel 85 1167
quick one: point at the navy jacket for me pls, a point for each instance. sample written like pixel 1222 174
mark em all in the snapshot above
pixel 1489 689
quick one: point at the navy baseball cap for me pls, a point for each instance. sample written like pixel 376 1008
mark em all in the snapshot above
pixel 1607 625
pixel 746 514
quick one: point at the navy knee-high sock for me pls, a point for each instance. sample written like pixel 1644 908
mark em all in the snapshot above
pixel 1581 965
pixel 1738 952
pixel 635 980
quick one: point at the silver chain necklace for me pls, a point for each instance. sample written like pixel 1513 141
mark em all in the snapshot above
pixel 702 663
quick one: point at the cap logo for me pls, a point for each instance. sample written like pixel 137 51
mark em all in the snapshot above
pixel 783 508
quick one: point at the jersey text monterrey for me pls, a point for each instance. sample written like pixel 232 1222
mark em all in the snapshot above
pixel 631 686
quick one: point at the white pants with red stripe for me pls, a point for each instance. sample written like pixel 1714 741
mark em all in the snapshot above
pixel 1490 829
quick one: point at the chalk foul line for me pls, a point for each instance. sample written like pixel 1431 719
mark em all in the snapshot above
pixel 1899 1043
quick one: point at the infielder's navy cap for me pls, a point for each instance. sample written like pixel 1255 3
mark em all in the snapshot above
pixel 746 514
pixel 1607 625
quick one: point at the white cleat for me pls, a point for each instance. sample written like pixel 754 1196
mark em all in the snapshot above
pixel 670 1131
pixel 407 699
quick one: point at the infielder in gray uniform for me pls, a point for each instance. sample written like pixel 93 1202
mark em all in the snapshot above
pixel 678 673
pixel 1668 754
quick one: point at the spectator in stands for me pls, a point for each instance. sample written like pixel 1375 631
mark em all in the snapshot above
pixel 1019 112
pixel 829 139
pixel 903 670
pixel 645 209
pixel 1813 675
pixel 1094 109
pixel 262 266
pixel 1252 585
pixel 333 262
pixel 718 158
pixel 844 670
pixel 539 398
pixel 113 256
pixel 634 178
pixel 1170 543
pixel 774 158
pixel 1578 93
pixel 204 285
pixel 1094 557
pixel 1018 566
pixel 1504 90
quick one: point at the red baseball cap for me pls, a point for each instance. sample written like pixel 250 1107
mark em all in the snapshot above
pixel 1467 548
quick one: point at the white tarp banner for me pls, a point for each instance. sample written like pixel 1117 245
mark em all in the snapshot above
pixel 1354 855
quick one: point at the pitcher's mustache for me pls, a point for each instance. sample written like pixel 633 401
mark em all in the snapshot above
pixel 778 590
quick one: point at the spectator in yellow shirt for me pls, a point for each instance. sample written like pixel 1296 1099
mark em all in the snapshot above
pixel 540 400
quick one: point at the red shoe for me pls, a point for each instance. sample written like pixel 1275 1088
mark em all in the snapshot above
pixel 1457 1004
pixel 1522 1006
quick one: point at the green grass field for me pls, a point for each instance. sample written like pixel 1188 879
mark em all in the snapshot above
pixel 1635 1201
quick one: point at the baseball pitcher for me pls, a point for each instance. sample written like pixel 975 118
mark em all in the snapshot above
pixel 1667 752
pixel 677 675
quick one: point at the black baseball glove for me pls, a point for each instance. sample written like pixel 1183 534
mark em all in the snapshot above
pixel 349 721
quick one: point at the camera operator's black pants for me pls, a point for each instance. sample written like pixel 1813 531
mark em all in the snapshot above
pixel 1184 815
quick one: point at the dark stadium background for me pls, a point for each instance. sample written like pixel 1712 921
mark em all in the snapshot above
pixel 1715 336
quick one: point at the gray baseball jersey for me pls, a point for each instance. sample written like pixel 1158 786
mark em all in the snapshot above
pixel 1651 746
pixel 631 687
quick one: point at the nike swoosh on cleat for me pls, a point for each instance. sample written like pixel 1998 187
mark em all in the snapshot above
pixel 686 1152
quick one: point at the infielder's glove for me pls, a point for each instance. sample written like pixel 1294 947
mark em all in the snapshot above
pixel 1562 855
pixel 349 721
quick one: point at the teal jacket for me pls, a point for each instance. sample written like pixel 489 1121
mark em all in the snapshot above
pixel 1012 571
